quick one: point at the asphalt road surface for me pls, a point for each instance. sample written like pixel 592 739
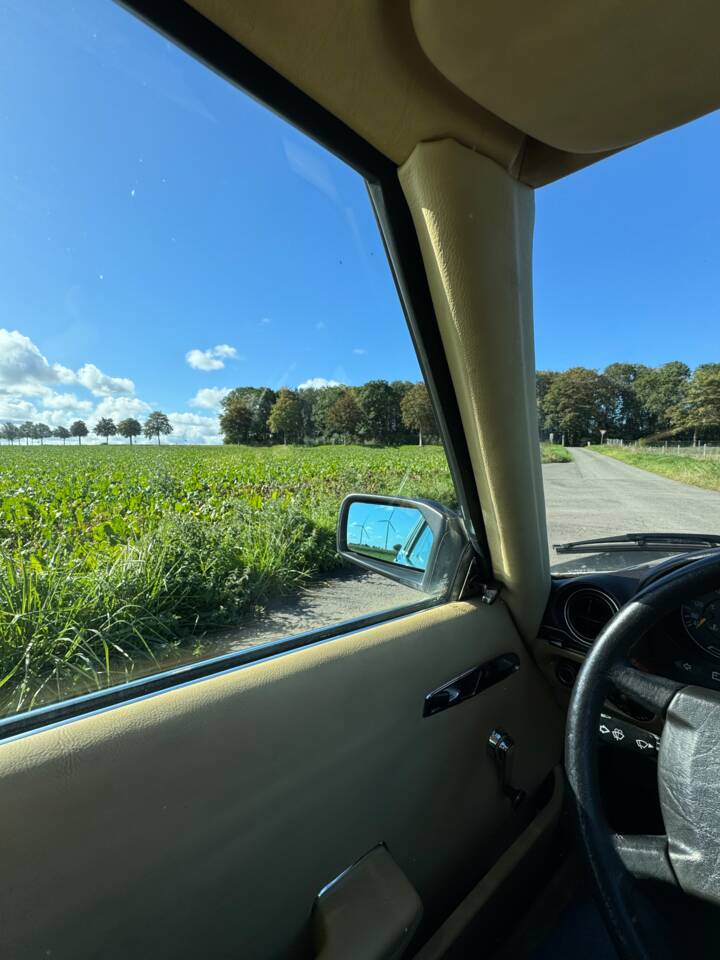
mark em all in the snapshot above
pixel 594 496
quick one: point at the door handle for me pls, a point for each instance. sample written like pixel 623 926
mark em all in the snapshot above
pixel 501 749
pixel 470 683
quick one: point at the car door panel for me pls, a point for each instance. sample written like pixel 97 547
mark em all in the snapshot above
pixel 205 819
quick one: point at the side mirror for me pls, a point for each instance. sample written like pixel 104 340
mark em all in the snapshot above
pixel 416 542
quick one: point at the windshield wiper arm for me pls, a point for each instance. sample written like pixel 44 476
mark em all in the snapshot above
pixel 641 541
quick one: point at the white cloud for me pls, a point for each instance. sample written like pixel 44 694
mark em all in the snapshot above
pixel 23 368
pixel 101 384
pixel 360 351
pixel 25 371
pixel 265 321
pixel 118 408
pixel 194 428
pixel 224 350
pixel 318 383
pixel 209 397
pixel 64 402
pixel 15 409
pixel 211 359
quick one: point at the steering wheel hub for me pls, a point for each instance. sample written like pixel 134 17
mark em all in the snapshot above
pixel 688 776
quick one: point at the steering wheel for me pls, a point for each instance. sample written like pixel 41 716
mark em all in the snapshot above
pixel 688 855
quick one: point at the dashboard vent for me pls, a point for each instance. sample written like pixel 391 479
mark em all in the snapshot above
pixel 586 612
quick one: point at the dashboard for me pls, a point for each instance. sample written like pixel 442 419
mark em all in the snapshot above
pixel 684 646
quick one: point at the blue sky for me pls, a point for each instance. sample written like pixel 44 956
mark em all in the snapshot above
pixel 165 238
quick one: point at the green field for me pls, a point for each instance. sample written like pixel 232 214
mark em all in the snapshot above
pixel 110 554
pixel 687 468
pixel 114 556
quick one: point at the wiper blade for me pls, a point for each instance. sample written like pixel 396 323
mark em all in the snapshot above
pixel 641 541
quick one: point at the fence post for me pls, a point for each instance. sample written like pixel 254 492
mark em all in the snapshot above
pixel 704 450
pixel 678 449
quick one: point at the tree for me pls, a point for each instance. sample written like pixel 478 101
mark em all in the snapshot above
pixel 661 392
pixel 236 420
pixel 41 432
pixel 324 401
pixel 25 431
pixel 259 400
pixel 157 425
pixel 417 411
pixel 10 432
pixel 381 411
pixel 62 433
pixel 578 403
pixel 627 418
pixel 701 408
pixel 344 416
pixel 129 428
pixel 79 430
pixel 543 381
pixel 105 427
pixel 286 416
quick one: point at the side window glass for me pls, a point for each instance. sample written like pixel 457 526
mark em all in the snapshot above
pixel 202 353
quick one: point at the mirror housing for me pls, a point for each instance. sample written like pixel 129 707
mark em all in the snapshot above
pixel 422 552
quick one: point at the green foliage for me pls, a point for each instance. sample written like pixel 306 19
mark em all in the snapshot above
pixel 578 403
pixel 344 416
pixel 552 453
pixel 41 432
pixel 259 401
pixel 236 420
pixel 157 425
pixel 112 558
pixel 105 427
pixel 661 392
pixel 380 407
pixel 700 409
pixel 129 428
pixel 79 430
pixel 417 411
pixel 286 416
pixel 9 432
pixel 629 400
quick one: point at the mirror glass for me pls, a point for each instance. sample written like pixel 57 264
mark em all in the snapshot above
pixel 398 535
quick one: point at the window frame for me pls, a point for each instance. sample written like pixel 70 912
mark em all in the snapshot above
pixel 203 40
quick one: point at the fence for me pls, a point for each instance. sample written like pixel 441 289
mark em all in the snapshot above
pixel 682 449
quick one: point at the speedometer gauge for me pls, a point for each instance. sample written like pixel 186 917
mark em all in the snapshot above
pixel 701 619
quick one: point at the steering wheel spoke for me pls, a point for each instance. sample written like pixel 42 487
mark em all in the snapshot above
pixel 645 857
pixel 650 691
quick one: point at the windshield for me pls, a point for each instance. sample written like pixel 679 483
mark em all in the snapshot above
pixel 628 358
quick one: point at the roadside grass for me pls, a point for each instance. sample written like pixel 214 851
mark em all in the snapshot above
pixel 553 453
pixel 687 469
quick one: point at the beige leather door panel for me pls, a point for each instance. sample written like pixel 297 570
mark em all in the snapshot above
pixel 204 820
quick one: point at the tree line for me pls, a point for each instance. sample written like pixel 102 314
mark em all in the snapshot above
pixel 156 425
pixel 630 401
pixel 379 412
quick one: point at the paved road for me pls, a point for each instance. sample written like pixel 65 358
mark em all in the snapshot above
pixel 595 496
